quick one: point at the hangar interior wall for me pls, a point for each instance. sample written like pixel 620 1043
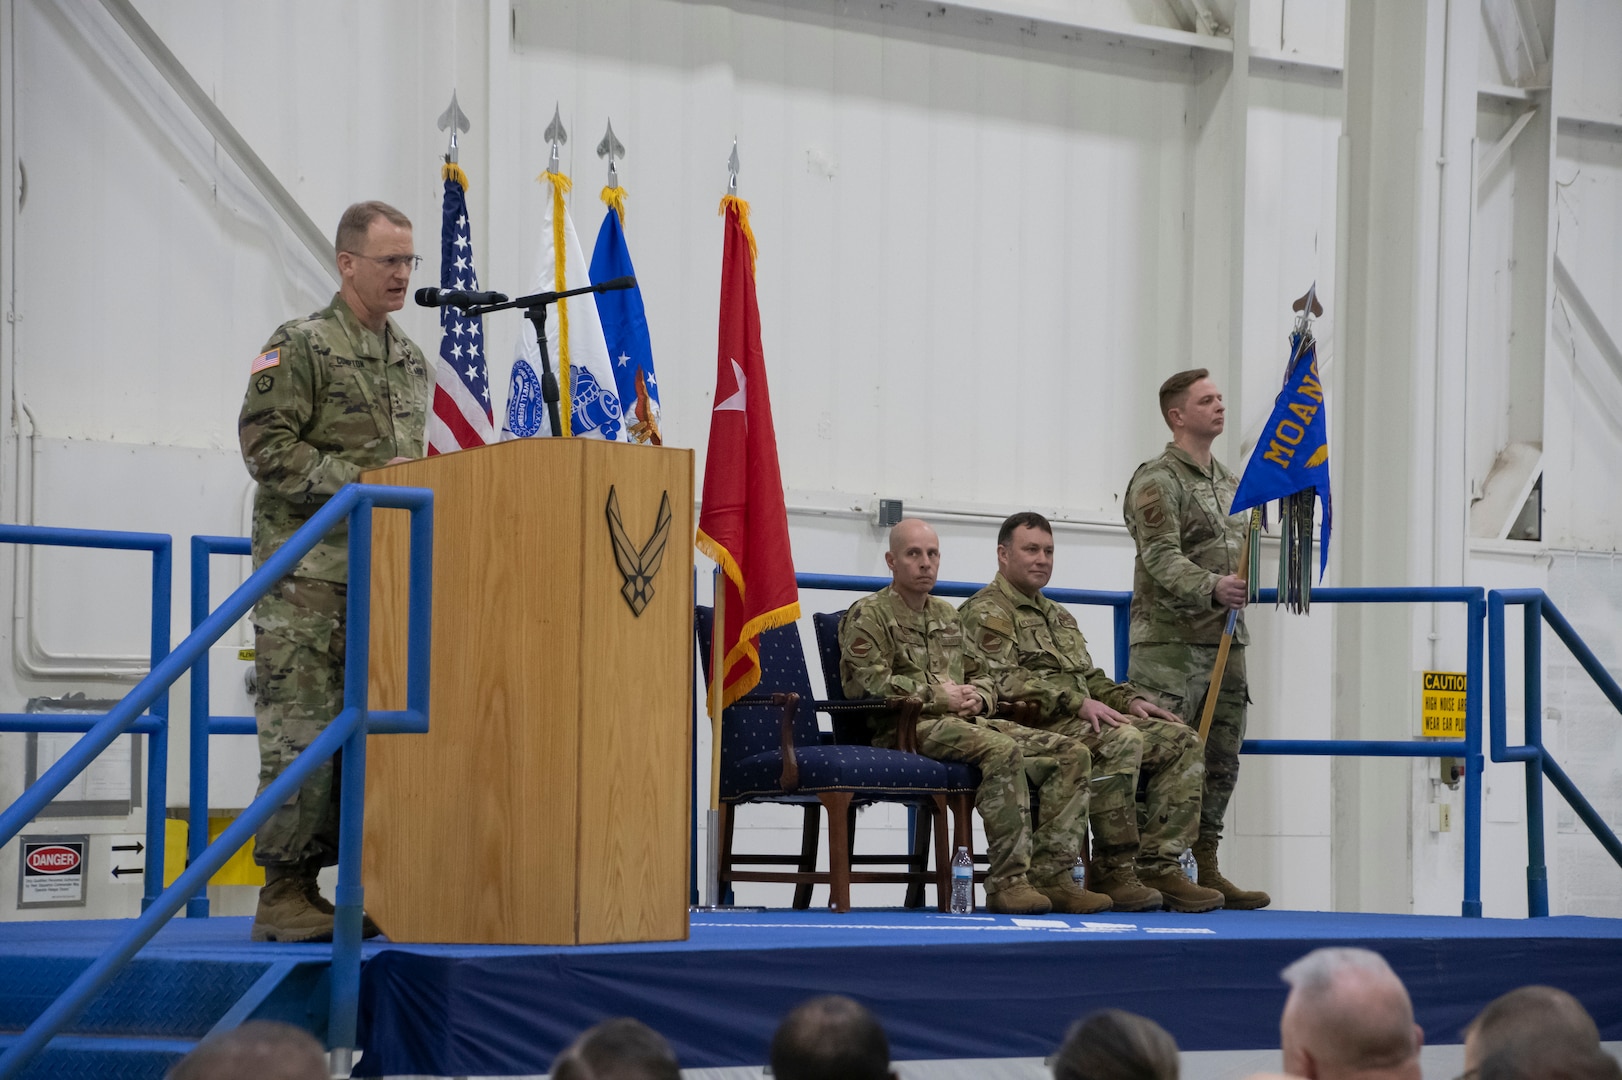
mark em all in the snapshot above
pixel 988 230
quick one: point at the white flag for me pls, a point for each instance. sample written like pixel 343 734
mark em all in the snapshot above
pixel 596 411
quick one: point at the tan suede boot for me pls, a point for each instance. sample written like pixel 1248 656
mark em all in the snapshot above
pixel 285 912
pixel 1018 898
pixel 1069 898
pixel 1234 898
pixel 1181 894
pixel 1127 892
pixel 309 879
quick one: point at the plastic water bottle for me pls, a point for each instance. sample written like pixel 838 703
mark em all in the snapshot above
pixel 962 883
pixel 1190 867
pixel 1079 873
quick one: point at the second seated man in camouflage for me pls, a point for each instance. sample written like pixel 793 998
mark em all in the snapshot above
pixel 1030 650
pixel 901 641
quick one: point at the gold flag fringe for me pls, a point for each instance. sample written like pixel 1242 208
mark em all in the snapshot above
pixel 743 220
pixel 615 198
pixel 453 171
pixel 745 648
pixel 560 187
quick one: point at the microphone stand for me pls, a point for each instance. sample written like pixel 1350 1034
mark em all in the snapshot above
pixel 534 307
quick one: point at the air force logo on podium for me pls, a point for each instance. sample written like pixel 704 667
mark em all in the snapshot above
pixel 638 565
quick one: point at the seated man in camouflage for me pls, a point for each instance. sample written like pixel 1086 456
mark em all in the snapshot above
pixel 901 641
pixel 1029 649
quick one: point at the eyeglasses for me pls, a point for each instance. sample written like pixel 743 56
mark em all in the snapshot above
pixel 392 262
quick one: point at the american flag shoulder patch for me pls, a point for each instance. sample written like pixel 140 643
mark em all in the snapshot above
pixel 265 360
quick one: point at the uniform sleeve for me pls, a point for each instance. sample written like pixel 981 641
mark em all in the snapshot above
pixel 1156 529
pixel 276 412
pixel 991 660
pixel 1116 695
pixel 867 663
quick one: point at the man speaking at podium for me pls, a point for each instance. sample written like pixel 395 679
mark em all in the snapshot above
pixel 332 394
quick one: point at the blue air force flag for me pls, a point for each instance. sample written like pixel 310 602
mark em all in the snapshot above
pixel 625 328
pixel 1293 453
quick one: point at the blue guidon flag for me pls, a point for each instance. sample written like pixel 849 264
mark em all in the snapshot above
pixel 1291 461
pixel 461 416
pixel 625 325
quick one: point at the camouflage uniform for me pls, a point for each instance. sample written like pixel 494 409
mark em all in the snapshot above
pixel 339 398
pixel 1030 649
pixel 887 649
pixel 1178 515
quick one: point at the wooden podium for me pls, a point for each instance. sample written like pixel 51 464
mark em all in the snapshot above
pixel 550 801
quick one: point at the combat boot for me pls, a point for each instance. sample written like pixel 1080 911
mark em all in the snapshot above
pixel 285 912
pixel 1181 894
pixel 1018 898
pixel 1127 893
pixel 308 880
pixel 1234 898
pixel 1069 898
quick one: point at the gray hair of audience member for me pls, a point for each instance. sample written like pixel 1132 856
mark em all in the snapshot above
pixel 830 1038
pixel 263 1049
pixel 1536 1015
pixel 1116 1045
pixel 618 1049
pixel 1347 1012
pixel 1532 1060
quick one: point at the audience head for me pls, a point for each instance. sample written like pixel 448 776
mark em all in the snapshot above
pixel 263 1049
pixel 1116 1045
pixel 830 1038
pixel 1533 1060
pixel 1348 1015
pixel 914 559
pixel 619 1049
pixel 1541 1016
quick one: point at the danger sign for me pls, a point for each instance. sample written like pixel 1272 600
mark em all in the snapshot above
pixel 52 871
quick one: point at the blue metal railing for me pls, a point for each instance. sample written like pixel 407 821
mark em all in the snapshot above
pixel 1469 748
pixel 99 732
pixel 347 732
pixel 202 723
pixel 1539 609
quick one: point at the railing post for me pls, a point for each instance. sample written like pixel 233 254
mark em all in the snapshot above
pixel 1474 766
pixel 1537 871
pixel 1122 610
pixel 197 814
pixel 157 743
pixel 345 1001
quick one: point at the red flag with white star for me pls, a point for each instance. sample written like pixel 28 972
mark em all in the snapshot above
pixel 743 524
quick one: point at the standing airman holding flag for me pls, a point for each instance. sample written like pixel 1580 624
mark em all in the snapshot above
pixel 1186 578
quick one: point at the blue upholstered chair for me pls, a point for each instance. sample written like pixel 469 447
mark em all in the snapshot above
pixel 772 751
pixel 852 727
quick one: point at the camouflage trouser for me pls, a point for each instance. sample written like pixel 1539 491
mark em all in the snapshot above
pixel 299 664
pixel 1161 757
pixel 1179 676
pixel 1011 758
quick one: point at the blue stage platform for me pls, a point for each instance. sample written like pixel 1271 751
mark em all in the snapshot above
pixel 945 986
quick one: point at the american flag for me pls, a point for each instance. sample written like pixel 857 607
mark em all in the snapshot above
pixel 462 416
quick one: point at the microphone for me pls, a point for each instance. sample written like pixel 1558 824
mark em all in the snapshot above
pixel 455 298
pixel 626 282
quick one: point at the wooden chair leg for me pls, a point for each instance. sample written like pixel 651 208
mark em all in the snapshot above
pixel 944 852
pixel 724 819
pixel 810 835
pixel 837 804
pixel 918 856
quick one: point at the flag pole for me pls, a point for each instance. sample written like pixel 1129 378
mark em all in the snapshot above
pixel 712 832
pixel 1217 671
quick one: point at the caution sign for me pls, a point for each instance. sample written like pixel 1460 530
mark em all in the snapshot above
pixel 1441 705
pixel 52 871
